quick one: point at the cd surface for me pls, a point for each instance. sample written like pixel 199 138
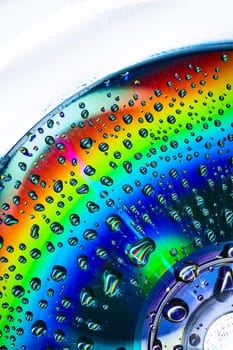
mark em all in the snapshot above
pixel 116 213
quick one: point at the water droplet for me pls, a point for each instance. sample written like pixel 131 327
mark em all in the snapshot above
pixel 187 272
pixel 58 186
pixel 89 170
pixel 35 284
pixel 28 316
pixel 10 220
pixel 93 325
pixel 113 222
pixel 83 189
pixel 22 166
pixel 25 152
pixel 127 118
pixel 227 251
pixel 35 179
pixel 111 283
pixel 148 190
pixel 128 167
pixel 39 328
pixel 92 207
pixel 194 339
pixel 32 194
pixel 228 216
pixel 106 181
pixel 59 336
pixel 176 310
pixel 74 219
pixel 202 170
pixel 90 234
pixel 58 273
pixel 223 288
pixel 82 262
pixel 85 343
pixel 73 241
pixel 158 106
pixel 102 253
pixel 86 143
pixel 139 252
pixel 18 291
pixel 39 207
pixel 57 228
pixel 35 253
pixel 35 231
pixel 87 297
pixel 175 215
pixel 50 247
pixel 66 302
pixel 157 345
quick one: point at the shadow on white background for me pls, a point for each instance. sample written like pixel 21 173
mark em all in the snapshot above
pixel 48 48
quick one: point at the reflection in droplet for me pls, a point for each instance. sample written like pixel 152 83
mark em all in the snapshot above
pixel 139 252
pixel 39 328
pixel 223 288
pixel 187 272
pixel 176 310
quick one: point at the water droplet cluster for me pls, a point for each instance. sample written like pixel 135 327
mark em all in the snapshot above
pixel 118 194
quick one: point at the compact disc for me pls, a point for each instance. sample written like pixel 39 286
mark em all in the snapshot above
pixel 116 213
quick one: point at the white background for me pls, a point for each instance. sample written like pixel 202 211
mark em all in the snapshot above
pixel 50 47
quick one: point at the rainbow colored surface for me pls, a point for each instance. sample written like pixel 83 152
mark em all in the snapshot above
pixel 107 194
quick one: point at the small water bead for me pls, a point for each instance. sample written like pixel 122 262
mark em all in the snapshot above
pixel 106 181
pixel 128 167
pixel 89 170
pixel 139 252
pixel 22 166
pixel 58 186
pixel 148 190
pixel 73 241
pixel 228 216
pixel 59 273
pixel 82 262
pixel 39 207
pixel 35 283
pixel 187 272
pixel 223 288
pixel 112 281
pixel 39 328
pixel 49 140
pixel 1 242
pixel 43 304
pixel 74 219
pixel 35 253
pixel 194 339
pixel 113 222
pixel 87 297
pixel 10 220
pixel 66 302
pixel 176 310
pixel 93 325
pixel 92 207
pixel 50 247
pixel 102 253
pixel 57 228
pixel 18 291
pixel 28 316
pixel 85 343
pixel 34 232
pixel 25 152
pixel 90 234
pixel 83 189
pixel 59 336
